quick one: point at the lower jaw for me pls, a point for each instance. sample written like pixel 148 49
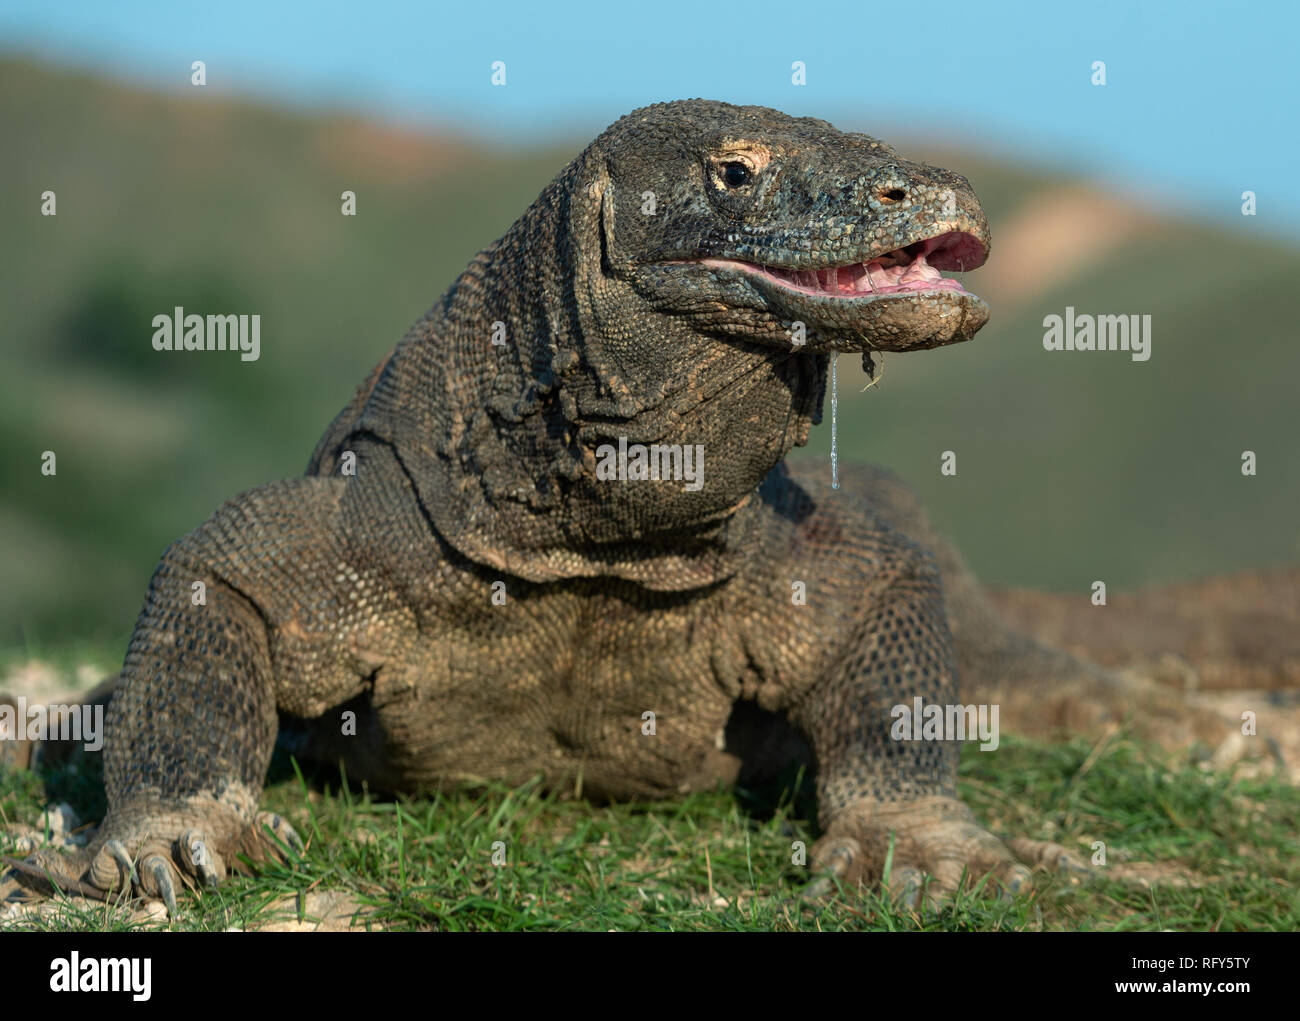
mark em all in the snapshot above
pixel 904 321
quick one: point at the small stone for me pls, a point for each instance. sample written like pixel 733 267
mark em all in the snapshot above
pixel 153 911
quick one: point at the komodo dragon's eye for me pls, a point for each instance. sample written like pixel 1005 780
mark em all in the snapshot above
pixel 735 175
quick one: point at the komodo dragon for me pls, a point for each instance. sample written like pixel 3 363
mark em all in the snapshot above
pixel 468 567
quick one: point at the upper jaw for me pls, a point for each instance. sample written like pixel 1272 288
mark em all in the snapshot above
pixel 891 301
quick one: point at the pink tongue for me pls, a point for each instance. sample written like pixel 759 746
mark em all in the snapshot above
pixel 920 271
pixel 871 278
pixel 915 276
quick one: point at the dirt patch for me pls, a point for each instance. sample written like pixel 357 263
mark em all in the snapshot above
pixel 321 911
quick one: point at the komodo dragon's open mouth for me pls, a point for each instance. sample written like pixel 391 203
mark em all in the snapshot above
pixel 913 268
pixel 897 300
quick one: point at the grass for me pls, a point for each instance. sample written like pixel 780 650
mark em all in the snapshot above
pixel 722 861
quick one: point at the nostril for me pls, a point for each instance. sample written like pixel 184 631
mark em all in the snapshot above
pixel 893 195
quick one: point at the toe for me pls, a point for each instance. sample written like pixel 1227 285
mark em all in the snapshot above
pixel 48 872
pixel 905 884
pixel 837 860
pixel 201 859
pixel 1013 879
pixel 113 868
pixel 1051 857
pixel 280 829
pixel 160 879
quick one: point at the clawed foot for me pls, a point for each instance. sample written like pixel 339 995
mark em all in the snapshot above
pixel 927 848
pixel 133 857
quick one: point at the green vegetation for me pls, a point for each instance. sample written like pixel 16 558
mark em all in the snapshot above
pixel 723 861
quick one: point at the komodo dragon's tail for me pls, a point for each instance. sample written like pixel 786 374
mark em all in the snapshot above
pixel 1233 632
pixel 1057 665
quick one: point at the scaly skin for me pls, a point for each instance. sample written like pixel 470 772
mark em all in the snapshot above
pixel 476 464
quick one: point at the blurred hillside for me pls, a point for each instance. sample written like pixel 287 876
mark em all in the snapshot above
pixel 1072 466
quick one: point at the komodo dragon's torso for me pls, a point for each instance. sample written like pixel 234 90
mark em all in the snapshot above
pixel 556 678
pixel 470 571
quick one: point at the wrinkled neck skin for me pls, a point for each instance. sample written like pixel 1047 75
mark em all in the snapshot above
pixel 503 440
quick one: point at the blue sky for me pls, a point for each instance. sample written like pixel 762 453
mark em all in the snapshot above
pixel 1200 101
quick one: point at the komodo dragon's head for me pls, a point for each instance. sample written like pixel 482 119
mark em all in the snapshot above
pixel 680 286
pixel 749 221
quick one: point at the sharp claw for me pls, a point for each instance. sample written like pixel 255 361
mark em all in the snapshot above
pixel 161 872
pixel 840 858
pixel 1016 879
pixel 1066 862
pixel 835 862
pixel 199 857
pixel 907 884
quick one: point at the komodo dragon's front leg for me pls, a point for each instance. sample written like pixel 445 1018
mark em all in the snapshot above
pixel 247 614
pixel 888 807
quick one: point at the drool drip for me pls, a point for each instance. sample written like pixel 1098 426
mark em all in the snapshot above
pixel 835 408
